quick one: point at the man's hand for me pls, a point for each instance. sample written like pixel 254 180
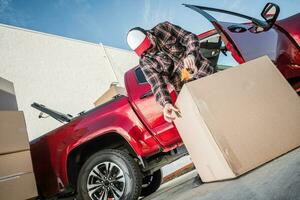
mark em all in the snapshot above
pixel 189 63
pixel 169 111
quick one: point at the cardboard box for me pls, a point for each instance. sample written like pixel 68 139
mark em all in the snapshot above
pixel 109 94
pixel 8 99
pixel 238 119
pixel 17 180
pixel 13 164
pixel 18 187
pixel 13 131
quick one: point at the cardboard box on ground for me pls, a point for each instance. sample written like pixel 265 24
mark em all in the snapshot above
pixel 238 119
pixel 17 180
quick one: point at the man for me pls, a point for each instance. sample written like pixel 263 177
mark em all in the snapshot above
pixel 165 52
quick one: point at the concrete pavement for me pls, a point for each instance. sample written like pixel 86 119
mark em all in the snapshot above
pixel 276 180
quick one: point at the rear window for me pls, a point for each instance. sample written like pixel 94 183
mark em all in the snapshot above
pixel 140 76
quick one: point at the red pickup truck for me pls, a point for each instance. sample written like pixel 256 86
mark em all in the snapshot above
pixel 116 150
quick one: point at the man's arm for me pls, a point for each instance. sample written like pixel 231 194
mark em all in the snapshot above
pixel 156 80
pixel 186 38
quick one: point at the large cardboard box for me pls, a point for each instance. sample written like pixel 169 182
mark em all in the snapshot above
pixel 109 94
pixel 19 187
pixel 14 164
pixel 13 133
pixel 238 119
pixel 17 180
pixel 8 99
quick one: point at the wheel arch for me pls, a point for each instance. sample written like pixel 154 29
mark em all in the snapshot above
pixel 78 155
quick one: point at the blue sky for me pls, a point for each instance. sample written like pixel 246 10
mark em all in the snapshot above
pixel 107 21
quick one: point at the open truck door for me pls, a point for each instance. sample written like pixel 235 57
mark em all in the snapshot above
pixel 247 41
pixel 245 38
pixel 149 111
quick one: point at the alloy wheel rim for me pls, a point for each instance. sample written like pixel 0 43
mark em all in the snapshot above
pixel 106 181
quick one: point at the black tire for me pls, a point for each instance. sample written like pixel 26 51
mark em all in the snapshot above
pixel 119 162
pixel 151 183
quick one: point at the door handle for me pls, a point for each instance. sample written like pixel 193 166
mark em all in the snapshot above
pixel 147 94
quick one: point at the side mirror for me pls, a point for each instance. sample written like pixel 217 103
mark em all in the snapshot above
pixel 270 14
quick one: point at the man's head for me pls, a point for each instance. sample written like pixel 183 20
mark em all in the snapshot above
pixel 138 40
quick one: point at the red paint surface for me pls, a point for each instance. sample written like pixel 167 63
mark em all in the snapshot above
pixel 146 44
pixel 150 112
pixel 207 34
pixel 49 153
pixel 274 43
pixel 291 26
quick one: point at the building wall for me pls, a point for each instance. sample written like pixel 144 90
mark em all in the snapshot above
pixel 120 60
pixel 64 74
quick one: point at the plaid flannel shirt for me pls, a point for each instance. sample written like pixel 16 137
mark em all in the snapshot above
pixel 163 63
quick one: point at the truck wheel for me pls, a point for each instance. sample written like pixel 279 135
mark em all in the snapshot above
pixel 151 183
pixel 109 174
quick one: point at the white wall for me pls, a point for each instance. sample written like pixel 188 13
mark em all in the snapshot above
pixel 120 60
pixel 64 74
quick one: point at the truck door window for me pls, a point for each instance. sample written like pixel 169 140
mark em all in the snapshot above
pixel 226 61
pixel 211 48
pixel 140 76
